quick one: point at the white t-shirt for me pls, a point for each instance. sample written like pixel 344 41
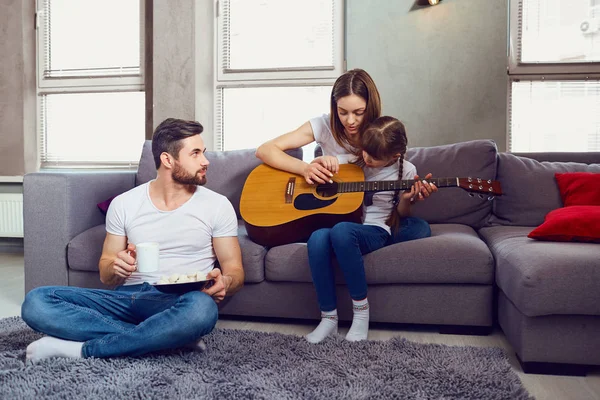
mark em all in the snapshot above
pixel 323 136
pixel 184 234
pixel 378 212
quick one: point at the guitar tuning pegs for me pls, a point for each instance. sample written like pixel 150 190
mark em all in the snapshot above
pixel 489 181
pixel 478 180
pixel 490 198
pixel 469 179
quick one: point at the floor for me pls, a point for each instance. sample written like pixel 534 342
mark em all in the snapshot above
pixel 540 386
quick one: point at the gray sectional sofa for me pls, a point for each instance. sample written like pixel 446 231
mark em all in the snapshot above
pixel 477 267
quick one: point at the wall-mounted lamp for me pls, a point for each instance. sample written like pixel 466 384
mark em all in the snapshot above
pixel 419 4
pixel 428 2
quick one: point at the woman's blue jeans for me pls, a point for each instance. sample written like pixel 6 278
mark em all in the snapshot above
pixel 128 321
pixel 349 241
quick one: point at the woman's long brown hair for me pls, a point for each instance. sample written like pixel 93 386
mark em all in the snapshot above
pixel 360 83
pixel 383 139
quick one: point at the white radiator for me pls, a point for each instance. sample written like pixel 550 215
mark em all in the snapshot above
pixel 11 215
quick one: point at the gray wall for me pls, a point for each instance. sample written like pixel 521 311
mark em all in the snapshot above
pixel 173 60
pixel 18 152
pixel 441 69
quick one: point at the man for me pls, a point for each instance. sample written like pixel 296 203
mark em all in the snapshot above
pixel 194 227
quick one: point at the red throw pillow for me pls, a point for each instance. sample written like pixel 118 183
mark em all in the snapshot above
pixel 570 224
pixel 579 188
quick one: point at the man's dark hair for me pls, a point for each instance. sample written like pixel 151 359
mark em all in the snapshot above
pixel 168 135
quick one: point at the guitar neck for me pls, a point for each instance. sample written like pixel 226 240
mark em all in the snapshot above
pixel 384 186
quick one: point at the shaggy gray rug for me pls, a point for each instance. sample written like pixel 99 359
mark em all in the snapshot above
pixel 246 364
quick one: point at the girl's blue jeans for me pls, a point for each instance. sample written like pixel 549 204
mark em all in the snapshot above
pixel 128 321
pixel 348 242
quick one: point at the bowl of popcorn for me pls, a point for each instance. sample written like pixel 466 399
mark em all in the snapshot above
pixel 181 283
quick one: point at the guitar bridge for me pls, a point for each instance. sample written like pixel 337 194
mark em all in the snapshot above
pixel 289 190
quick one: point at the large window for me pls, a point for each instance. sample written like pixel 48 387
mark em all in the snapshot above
pixel 554 69
pixel 276 63
pixel 90 82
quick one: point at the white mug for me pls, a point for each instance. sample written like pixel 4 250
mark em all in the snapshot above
pixel 147 256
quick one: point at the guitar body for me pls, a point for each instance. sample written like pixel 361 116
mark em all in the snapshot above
pixel 279 207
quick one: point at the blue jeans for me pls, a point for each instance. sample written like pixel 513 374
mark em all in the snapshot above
pixel 349 241
pixel 410 228
pixel 128 321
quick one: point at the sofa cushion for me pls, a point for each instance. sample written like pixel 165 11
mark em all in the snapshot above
pixel 253 256
pixel 475 159
pixel 85 249
pixel 545 278
pixel 453 254
pixel 570 224
pixel 226 173
pixel 530 189
pixel 579 188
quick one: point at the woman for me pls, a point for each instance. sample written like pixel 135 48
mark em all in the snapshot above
pixel 355 103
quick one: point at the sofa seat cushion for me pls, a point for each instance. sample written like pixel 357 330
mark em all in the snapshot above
pixel 545 278
pixel 85 249
pixel 453 254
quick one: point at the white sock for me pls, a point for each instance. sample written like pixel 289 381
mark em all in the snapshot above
pixel 49 346
pixel 360 321
pixel 328 326
pixel 198 345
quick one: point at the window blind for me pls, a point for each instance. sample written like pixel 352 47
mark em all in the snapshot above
pixel 91 38
pixel 558 31
pixel 547 116
pixel 91 129
pixel 263 35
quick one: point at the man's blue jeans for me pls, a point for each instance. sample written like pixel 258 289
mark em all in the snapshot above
pixel 349 241
pixel 128 321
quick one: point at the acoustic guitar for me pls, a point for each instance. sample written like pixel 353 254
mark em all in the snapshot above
pixel 279 207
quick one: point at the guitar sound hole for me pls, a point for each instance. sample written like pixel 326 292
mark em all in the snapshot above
pixel 327 189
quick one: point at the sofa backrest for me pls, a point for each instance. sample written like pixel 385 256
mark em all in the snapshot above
pixel 530 190
pixel 226 174
pixel 476 159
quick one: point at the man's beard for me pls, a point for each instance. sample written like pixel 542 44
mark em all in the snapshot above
pixel 181 176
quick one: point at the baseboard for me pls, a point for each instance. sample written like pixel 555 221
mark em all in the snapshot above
pixel 11 245
pixel 545 368
pixel 465 330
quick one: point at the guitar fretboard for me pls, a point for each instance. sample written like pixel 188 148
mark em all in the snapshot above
pixel 384 186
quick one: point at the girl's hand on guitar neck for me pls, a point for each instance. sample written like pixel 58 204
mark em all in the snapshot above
pixel 321 169
pixel 420 190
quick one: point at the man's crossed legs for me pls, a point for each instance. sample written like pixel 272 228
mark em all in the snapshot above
pixel 128 321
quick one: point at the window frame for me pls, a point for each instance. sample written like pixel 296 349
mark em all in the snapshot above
pixel 516 67
pixel 272 77
pixel 79 84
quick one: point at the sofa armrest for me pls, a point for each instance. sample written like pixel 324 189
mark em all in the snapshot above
pixel 57 206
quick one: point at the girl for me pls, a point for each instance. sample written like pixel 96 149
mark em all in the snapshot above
pixel 355 103
pixel 383 146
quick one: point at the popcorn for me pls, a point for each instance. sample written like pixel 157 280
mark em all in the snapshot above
pixel 182 278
